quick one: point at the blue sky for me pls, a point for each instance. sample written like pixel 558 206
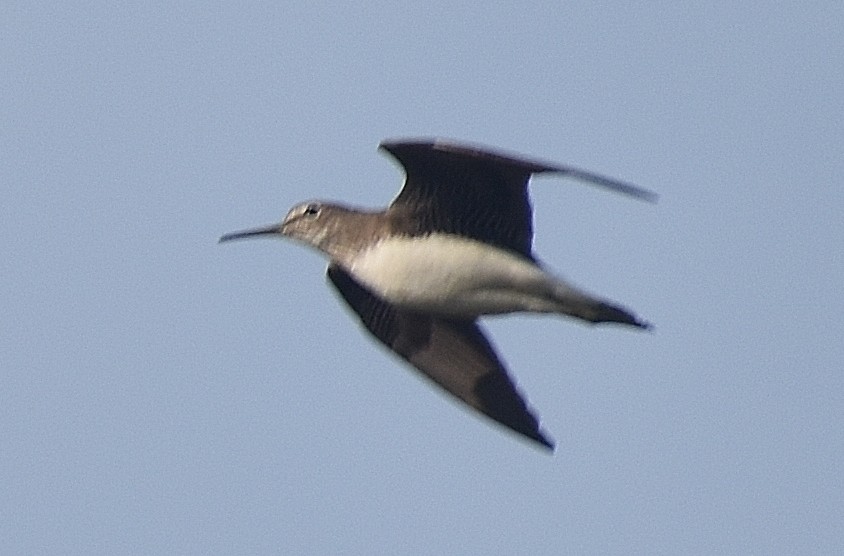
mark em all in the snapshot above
pixel 163 394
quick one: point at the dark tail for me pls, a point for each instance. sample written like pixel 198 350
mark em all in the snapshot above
pixel 582 305
pixel 604 312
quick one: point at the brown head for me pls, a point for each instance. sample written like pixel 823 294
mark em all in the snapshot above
pixel 337 231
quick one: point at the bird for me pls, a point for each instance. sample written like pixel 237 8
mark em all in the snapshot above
pixel 453 246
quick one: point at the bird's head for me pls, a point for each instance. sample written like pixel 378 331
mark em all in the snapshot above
pixel 314 223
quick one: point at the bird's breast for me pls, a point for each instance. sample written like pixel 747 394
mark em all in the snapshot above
pixel 453 276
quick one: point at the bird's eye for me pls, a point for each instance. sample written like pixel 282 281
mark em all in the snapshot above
pixel 311 210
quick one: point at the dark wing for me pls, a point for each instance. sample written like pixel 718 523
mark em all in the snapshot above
pixel 452 353
pixel 476 193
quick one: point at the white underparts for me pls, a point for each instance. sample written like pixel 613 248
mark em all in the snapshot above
pixel 460 277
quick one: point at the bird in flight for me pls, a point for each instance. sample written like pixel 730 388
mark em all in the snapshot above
pixel 454 245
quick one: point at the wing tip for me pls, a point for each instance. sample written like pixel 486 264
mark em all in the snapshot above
pixel 544 441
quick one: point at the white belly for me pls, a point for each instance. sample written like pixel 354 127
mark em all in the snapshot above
pixel 454 276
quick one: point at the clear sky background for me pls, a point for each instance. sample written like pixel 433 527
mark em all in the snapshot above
pixel 162 394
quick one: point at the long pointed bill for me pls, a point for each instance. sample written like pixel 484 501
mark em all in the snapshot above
pixel 272 229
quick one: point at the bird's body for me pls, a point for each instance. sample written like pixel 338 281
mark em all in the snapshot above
pixel 453 246
pixel 452 276
pixel 462 278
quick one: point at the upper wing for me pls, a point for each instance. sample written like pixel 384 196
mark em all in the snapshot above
pixel 477 193
pixel 452 353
